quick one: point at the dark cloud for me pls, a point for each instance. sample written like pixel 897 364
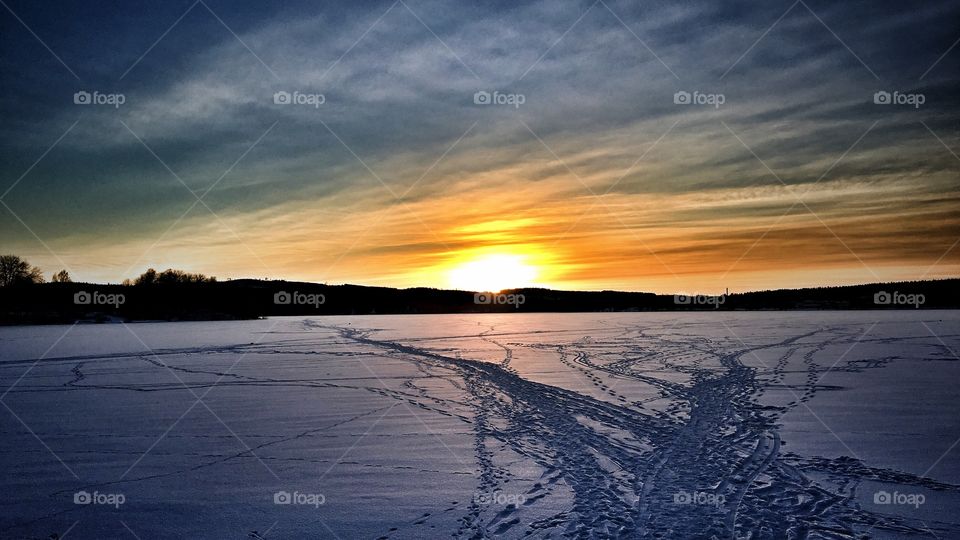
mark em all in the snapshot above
pixel 398 95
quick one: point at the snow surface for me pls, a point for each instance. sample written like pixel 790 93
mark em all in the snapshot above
pixel 668 425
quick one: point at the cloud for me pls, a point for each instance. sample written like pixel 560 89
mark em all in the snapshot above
pixel 398 96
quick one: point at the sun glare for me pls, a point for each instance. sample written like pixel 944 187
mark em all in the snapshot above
pixel 493 273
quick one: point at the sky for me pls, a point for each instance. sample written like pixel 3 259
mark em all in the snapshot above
pixel 653 146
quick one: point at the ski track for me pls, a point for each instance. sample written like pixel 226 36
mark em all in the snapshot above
pixel 620 460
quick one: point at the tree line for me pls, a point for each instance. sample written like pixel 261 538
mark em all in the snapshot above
pixel 15 271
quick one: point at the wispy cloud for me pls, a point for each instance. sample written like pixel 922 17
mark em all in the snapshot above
pixel 398 84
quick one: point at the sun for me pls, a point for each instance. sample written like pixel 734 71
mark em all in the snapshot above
pixel 493 273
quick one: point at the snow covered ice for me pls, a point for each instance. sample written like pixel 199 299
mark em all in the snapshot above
pixel 643 425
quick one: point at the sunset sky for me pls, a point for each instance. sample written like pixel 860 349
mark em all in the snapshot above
pixel 597 180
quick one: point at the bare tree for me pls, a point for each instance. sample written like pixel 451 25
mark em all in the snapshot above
pixel 147 278
pixel 61 277
pixel 16 271
pixel 171 277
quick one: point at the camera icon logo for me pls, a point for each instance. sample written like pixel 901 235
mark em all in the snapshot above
pixel 82 497
pixel 882 497
pixel 82 298
pixel 282 497
pixel 482 298
pixel 681 98
pixel 281 97
pixel 82 98
pixel 681 299
pixel 881 97
pixel 282 297
pixel 882 298
pixel 682 497
pixel 481 98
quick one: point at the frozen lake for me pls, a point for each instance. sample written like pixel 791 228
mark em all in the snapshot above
pixel 649 425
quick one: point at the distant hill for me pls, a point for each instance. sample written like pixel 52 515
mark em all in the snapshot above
pixel 53 303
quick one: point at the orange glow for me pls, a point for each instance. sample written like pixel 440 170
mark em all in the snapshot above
pixel 493 273
pixel 490 230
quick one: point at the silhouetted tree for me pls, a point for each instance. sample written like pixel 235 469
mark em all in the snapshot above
pixel 147 278
pixel 170 277
pixel 61 277
pixel 16 271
